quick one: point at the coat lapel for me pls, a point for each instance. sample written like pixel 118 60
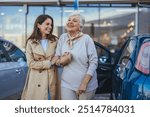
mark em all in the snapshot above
pixel 39 50
pixel 50 48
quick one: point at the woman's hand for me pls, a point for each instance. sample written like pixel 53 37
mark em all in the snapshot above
pixel 65 59
pixel 54 60
pixel 84 84
pixel 58 62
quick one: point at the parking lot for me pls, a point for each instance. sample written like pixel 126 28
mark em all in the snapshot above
pixel 127 78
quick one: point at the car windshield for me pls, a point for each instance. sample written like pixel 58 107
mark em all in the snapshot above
pixel 143 61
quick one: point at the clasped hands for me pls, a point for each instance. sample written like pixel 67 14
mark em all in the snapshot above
pixel 63 60
pixel 55 60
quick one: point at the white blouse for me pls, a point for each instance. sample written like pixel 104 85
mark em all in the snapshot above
pixel 44 43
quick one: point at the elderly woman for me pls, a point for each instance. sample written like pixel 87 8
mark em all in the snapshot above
pixel 79 78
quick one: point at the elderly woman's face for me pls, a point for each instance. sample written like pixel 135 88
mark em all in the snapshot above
pixel 73 24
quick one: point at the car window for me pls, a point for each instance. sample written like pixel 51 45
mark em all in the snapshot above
pixel 15 53
pixel 128 50
pixel 126 58
pixel 3 57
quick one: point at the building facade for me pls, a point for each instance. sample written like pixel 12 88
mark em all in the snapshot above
pixel 112 20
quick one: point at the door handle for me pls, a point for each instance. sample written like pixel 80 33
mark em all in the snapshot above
pixel 18 71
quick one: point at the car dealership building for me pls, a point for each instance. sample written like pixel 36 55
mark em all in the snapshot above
pixel 113 19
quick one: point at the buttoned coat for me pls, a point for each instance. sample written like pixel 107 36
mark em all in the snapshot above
pixel 41 78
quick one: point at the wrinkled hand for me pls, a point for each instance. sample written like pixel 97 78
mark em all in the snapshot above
pixel 81 89
pixel 54 60
pixel 65 59
pixel 83 85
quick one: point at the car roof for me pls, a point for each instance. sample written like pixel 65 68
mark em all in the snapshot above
pixel 141 37
pixel 2 39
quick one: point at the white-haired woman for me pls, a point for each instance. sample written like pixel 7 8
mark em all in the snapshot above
pixel 79 78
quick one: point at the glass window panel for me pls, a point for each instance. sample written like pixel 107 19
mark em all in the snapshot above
pixel 12 24
pixel 105 5
pixel 121 5
pixel 116 24
pixel 33 13
pixel 144 20
pixel 55 13
pixel 93 5
pixel 111 24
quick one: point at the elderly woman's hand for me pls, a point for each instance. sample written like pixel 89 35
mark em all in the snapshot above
pixel 65 59
pixel 84 84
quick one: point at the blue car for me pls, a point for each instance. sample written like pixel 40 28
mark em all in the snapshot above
pixel 132 70
pixel 13 70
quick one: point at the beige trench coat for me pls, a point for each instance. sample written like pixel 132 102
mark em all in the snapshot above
pixel 40 77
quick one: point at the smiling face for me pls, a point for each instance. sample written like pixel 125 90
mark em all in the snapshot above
pixel 45 28
pixel 73 24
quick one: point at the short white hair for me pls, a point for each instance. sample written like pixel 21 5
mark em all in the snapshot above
pixel 82 19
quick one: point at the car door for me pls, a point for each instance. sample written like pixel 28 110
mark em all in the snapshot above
pixel 20 66
pixel 134 69
pixel 8 76
pixel 124 69
pixel 104 70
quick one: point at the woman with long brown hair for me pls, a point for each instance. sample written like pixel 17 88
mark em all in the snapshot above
pixel 40 48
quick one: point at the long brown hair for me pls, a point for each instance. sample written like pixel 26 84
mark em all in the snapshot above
pixel 36 34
